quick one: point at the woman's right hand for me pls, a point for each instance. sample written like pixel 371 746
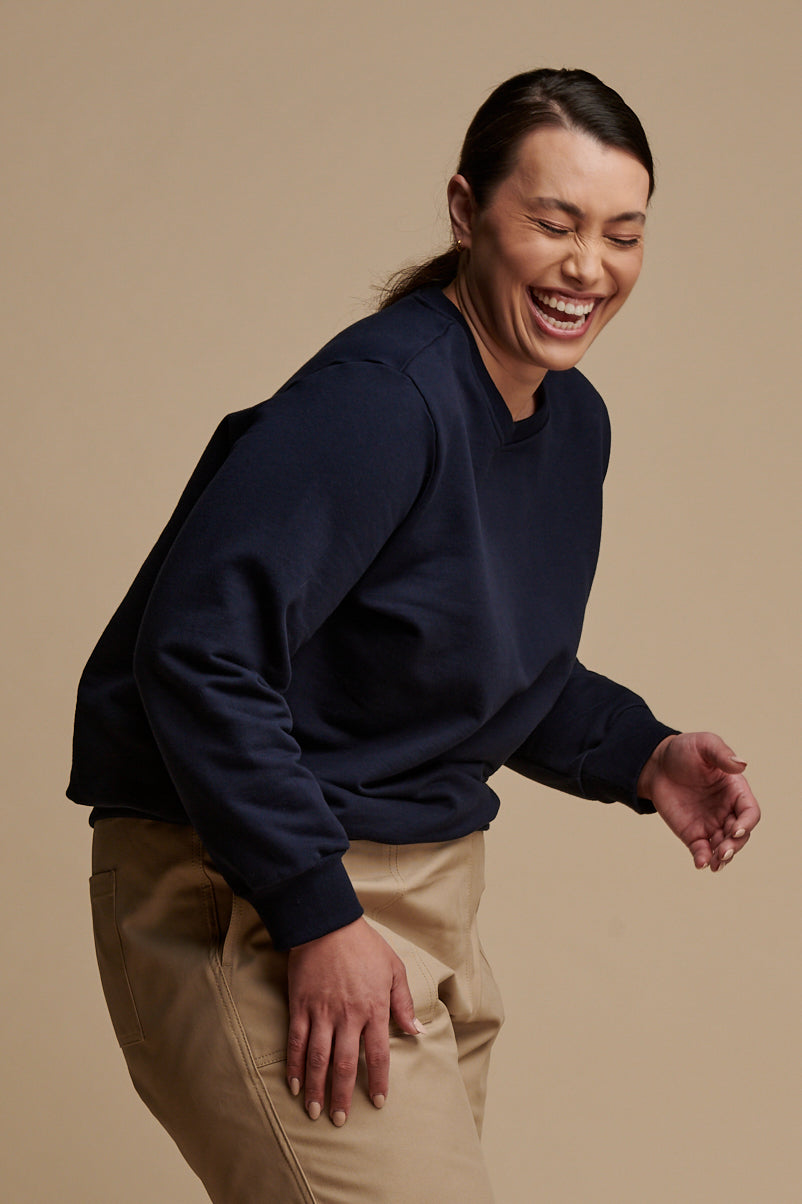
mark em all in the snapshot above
pixel 343 987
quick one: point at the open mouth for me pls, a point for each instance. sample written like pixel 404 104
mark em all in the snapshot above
pixel 556 313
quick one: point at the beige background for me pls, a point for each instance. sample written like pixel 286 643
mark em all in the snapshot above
pixel 196 195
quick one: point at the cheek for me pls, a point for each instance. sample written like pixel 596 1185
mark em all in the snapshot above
pixel 630 277
pixel 625 282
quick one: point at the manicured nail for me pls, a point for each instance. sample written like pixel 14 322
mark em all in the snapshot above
pixel 379 1101
pixel 295 1086
pixel 418 1027
pixel 737 835
pixel 313 1109
pixel 339 1119
pixel 728 855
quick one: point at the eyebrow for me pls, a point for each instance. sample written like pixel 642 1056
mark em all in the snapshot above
pixel 553 202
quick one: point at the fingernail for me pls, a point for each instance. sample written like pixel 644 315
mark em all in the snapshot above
pixel 728 855
pixel 338 1118
pixel 418 1027
pixel 313 1109
pixel 737 835
pixel 295 1086
pixel 379 1101
pixel 740 760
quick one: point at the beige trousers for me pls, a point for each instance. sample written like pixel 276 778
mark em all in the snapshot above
pixel 198 998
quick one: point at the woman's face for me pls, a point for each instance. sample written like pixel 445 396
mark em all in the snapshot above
pixel 552 257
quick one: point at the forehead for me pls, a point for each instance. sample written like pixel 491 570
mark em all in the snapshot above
pixel 574 167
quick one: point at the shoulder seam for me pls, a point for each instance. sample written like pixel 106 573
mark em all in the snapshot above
pixel 396 371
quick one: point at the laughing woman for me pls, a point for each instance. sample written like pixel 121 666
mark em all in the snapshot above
pixel 369 598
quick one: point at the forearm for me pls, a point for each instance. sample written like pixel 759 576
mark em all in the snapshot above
pixel 594 742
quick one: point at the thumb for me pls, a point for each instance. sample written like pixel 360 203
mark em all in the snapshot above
pixel 402 1006
pixel 718 754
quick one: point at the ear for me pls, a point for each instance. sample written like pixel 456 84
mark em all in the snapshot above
pixel 462 209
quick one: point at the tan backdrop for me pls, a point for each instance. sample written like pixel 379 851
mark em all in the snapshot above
pixel 196 195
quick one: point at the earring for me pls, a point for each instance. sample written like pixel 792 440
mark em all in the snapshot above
pixel 458 244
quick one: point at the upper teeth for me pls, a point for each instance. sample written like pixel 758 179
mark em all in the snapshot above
pixel 579 308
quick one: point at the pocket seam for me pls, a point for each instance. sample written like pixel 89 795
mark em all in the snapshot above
pixel 103 890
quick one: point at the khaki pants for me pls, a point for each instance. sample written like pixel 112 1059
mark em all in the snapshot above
pixel 198 999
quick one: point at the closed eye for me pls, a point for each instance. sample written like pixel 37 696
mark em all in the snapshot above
pixel 551 229
pixel 624 242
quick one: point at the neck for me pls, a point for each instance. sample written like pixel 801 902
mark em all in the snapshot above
pixel 519 395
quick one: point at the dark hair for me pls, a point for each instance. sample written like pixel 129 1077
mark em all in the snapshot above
pixel 572 99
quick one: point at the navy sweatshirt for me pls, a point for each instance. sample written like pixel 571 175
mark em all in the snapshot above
pixel 369 597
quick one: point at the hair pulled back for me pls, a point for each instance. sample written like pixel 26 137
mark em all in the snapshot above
pixel 570 98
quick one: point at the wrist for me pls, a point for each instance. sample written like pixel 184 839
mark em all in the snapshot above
pixel 328 938
pixel 651 768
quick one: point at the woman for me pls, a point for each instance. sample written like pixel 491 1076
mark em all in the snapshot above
pixel 369 598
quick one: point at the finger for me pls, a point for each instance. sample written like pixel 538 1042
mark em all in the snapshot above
pixel 724 849
pixel 343 1074
pixel 721 856
pixel 701 852
pixel 734 828
pixel 724 852
pixel 734 836
pixel 716 841
pixel 739 824
pixel 737 831
pixel 318 1060
pixel 297 1039
pixel 746 809
pixel 402 1005
pixel 377 1058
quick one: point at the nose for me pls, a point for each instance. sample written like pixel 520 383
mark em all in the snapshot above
pixel 584 264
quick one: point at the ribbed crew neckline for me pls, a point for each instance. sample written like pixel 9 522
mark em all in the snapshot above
pixel 509 430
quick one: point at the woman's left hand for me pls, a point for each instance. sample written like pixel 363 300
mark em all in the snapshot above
pixel 696 784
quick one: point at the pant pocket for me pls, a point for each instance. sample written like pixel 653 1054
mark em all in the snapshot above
pixel 111 960
pixel 256 977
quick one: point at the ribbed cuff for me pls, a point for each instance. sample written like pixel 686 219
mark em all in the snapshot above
pixel 611 771
pixel 309 906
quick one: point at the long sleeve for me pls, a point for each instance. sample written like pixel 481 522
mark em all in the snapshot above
pixel 594 741
pixel 299 509
pixel 371 592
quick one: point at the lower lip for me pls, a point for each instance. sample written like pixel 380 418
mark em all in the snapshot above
pixel 552 331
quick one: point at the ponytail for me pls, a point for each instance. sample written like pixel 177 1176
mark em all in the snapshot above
pixel 440 270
